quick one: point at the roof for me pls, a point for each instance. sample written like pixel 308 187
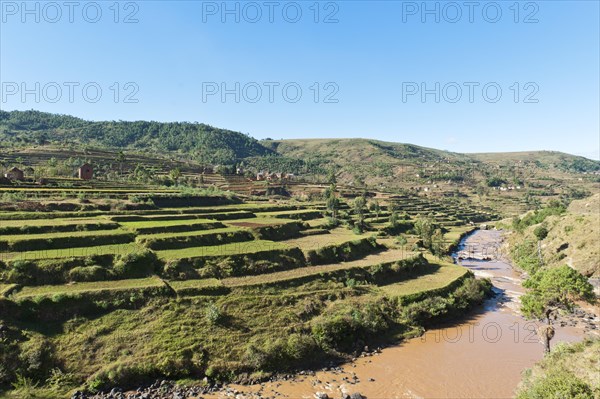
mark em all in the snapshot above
pixel 84 165
pixel 15 169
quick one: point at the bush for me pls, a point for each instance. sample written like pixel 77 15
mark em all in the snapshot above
pixel 343 252
pixel 87 273
pixel 180 270
pixel 213 314
pixel 36 358
pixel 247 264
pixel 281 353
pixel 136 264
pixel 21 272
pixel 209 239
pixel 558 385
pixel 540 232
pixel 278 232
pixel 348 328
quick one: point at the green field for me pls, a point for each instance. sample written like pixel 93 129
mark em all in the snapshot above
pixel 439 279
pixel 52 290
pixel 223 250
pixel 235 300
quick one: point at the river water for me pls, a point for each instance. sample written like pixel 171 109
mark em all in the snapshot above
pixel 482 356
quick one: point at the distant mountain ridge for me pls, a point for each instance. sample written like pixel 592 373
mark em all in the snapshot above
pixel 357 162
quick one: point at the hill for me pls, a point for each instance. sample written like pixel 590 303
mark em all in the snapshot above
pixel 200 142
pixel 502 180
pixel 511 182
pixel 573 237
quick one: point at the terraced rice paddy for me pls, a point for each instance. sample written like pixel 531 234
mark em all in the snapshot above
pixel 213 281
pixel 203 232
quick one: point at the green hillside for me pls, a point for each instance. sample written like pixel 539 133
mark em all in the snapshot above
pixel 198 141
pixel 513 182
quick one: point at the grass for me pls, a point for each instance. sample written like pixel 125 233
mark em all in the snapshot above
pixel 116 249
pixel 261 220
pixel 191 233
pixel 49 236
pixel 157 223
pixel 567 366
pixel 369 260
pixel 442 277
pixel 209 282
pixel 335 236
pixel 177 335
pixel 222 250
pixel 50 290
pixel 4 288
pixel 51 222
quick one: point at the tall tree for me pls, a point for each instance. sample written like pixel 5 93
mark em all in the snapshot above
pixel 553 290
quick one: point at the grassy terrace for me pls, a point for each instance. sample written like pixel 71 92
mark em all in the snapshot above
pixel 236 248
pixel 441 278
pixel 257 222
pixel 51 290
pixel 336 236
pixel 25 237
pixel 191 233
pixel 370 260
pixel 51 222
pixel 114 249
pixel 153 223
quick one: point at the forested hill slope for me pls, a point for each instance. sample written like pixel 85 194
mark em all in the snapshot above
pixel 200 142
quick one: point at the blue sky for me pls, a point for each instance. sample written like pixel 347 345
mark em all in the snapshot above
pixel 362 68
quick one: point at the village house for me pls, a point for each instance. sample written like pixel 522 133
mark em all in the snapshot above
pixel 260 176
pixel 86 172
pixel 15 174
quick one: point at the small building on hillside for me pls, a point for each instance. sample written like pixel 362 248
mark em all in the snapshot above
pixel 260 176
pixel 15 174
pixel 86 172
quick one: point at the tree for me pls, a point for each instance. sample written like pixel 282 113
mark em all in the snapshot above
pixel 401 240
pixel 541 232
pixel 331 177
pixel 375 207
pixel 359 205
pixel 332 202
pixel 394 220
pixel 175 174
pixel 553 290
pixel 437 243
pixel 425 228
pixel 120 159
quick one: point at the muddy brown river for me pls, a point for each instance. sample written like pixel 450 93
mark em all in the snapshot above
pixel 482 356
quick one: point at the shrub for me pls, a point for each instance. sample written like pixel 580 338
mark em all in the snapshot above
pixel 180 269
pixel 36 358
pixel 22 272
pixel 342 252
pixel 281 353
pixel 87 273
pixel 558 385
pixel 136 264
pixel 348 328
pixel 540 232
pixel 213 314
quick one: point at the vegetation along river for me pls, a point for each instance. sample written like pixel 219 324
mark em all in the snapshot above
pixel 482 356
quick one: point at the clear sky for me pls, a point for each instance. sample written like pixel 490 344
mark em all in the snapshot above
pixel 365 69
